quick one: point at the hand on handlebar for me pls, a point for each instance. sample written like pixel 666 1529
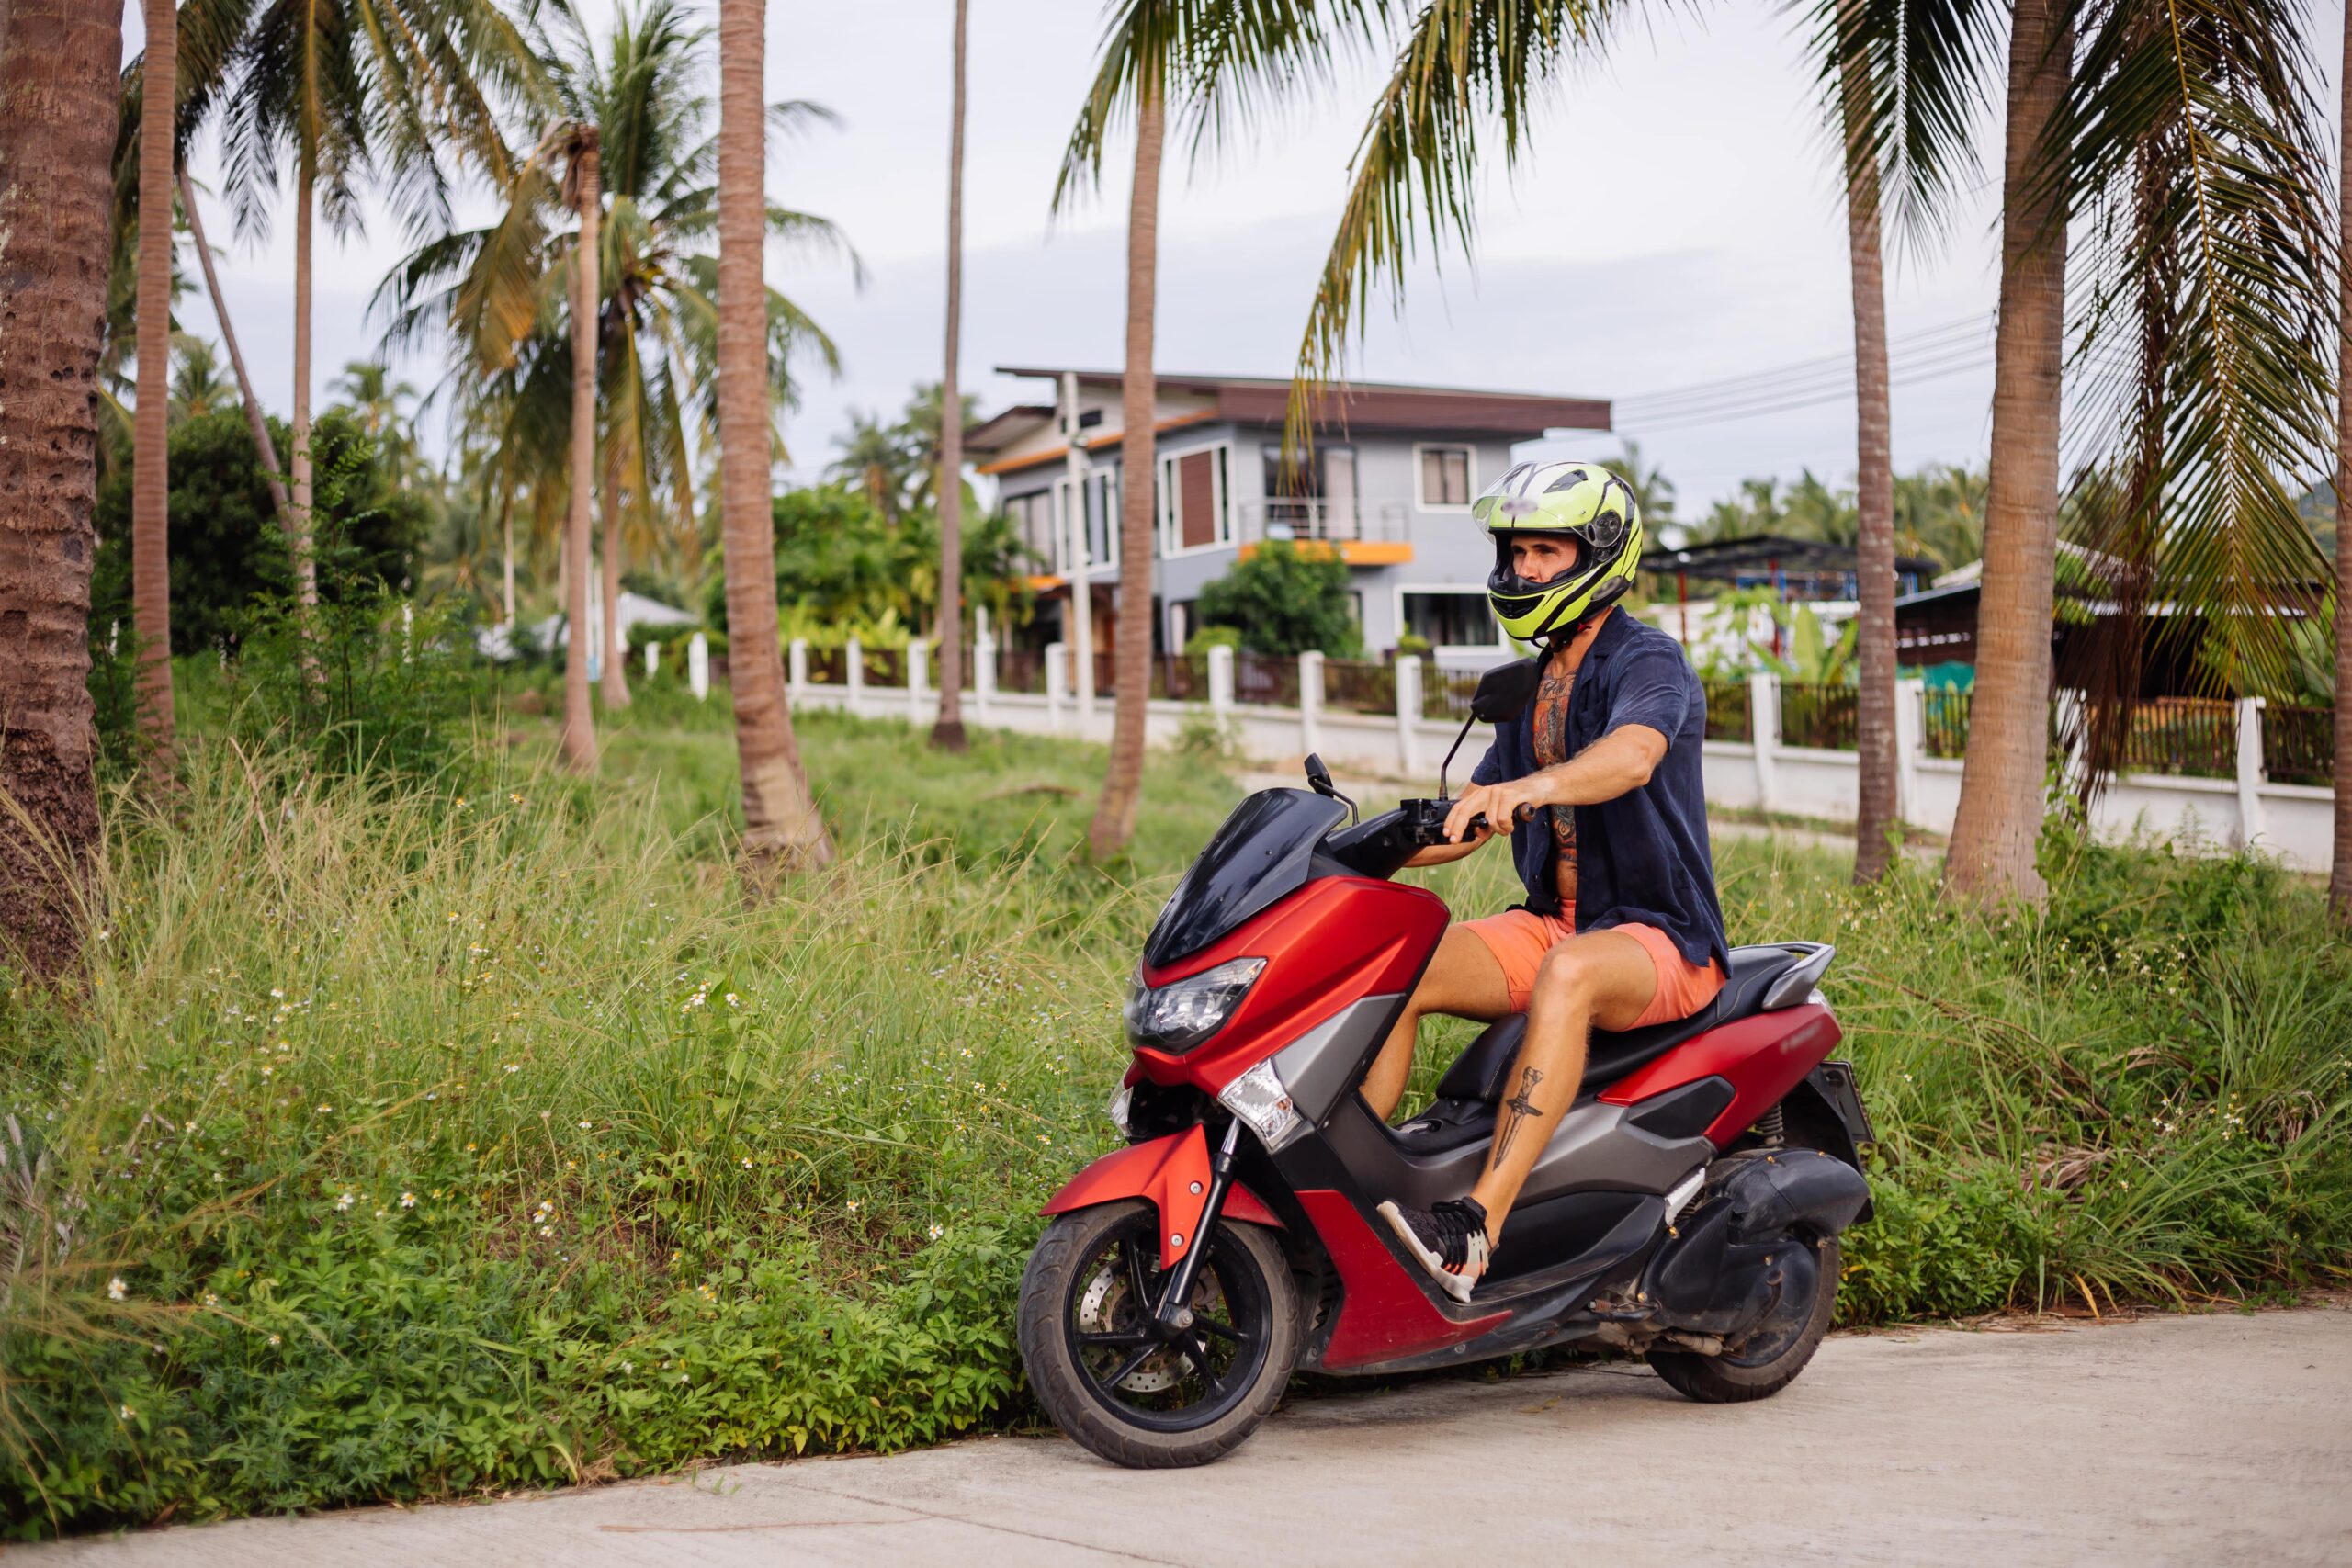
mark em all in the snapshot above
pixel 1488 808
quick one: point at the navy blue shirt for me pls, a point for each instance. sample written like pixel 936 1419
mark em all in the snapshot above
pixel 1641 858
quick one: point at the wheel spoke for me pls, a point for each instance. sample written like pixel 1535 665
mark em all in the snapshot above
pixel 1128 1368
pixel 1197 1353
pixel 1221 1330
pixel 1121 1340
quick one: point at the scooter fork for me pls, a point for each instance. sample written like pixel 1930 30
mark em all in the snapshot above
pixel 1174 1310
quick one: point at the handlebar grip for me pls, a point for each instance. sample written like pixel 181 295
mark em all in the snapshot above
pixel 1520 815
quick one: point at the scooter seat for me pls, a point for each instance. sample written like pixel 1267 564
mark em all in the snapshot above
pixel 1477 1075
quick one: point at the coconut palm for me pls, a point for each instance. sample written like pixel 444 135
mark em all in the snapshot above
pixel 369 390
pixel 496 294
pixel 150 483
pixel 577 744
pixel 58 113
pixel 255 418
pixel 782 830
pixel 199 385
pixel 2185 133
pixel 1214 60
pixel 948 732
pixel 352 94
pixel 2339 884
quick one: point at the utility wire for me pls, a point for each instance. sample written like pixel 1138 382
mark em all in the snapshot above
pixel 1925 355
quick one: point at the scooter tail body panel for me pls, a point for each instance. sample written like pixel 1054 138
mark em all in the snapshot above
pixel 1172 1175
pixel 1763 1056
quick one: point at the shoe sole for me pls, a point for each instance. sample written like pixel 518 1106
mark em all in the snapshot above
pixel 1458 1286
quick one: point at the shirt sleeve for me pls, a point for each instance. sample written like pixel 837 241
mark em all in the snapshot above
pixel 1654 690
pixel 1491 766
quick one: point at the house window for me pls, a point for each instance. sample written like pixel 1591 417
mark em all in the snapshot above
pixel 1310 497
pixel 1194 512
pixel 1448 618
pixel 1445 476
pixel 1103 516
pixel 1032 524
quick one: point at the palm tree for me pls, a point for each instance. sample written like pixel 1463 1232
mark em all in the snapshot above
pixel 578 745
pixel 255 418
pixel 367 389
pixel 2339 886
pixel 874 457
pixel 198 385
pixel 1215 59
pixel 2187 129
pixel 350 92
pixel 58 101
pixel 495 295
pixel 782 830
pixel 151 481
pixel 1653 492
pixel 948 732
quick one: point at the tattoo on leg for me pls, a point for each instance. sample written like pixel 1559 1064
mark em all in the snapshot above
pixel 1521 1106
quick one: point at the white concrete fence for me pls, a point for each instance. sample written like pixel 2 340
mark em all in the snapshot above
pixel 2294 822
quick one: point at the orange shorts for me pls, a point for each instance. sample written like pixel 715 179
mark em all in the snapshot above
pixel 1520 938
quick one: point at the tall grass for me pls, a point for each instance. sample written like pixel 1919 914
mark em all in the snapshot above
pixel 479 1135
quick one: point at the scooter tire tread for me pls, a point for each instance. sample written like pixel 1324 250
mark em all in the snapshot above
pixel 1054 1377
pixel 1710 1382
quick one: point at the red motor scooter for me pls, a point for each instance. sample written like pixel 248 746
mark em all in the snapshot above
pixel 1688 1205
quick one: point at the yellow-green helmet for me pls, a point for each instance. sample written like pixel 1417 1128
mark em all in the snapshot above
pixel 1582 498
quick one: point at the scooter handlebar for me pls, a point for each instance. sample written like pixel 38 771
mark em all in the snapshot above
pixel 1425 821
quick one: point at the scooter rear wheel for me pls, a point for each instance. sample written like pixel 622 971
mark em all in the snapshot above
pixel 1770 1357
pixel 1126 1388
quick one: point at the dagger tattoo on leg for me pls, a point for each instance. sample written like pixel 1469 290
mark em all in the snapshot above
pixel 1521 1106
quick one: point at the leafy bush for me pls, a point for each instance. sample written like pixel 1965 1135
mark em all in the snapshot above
pixel 1285 598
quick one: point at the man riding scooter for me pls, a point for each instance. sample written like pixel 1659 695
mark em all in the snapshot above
pixel 1620 929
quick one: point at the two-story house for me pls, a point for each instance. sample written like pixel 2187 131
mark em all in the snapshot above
pixel 1388 486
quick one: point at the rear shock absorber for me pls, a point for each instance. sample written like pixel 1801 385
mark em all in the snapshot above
pixel 1771 1129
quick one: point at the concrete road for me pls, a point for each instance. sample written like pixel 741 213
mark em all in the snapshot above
pixel 2194 1440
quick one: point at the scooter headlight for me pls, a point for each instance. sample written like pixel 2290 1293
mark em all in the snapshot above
pixel 1181 1014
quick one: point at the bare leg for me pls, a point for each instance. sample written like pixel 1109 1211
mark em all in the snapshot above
pixel 1604 977
pixel 1462 979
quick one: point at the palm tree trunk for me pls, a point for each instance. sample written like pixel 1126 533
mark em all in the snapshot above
pixel 782 830
pixel 948 733
pixel 2001 787
pixel 615 685
pixel 1114 818
pixel 58 96
pixel 150 480
pixel 298 520
pixel 578 745
pixel 2339 886
pixel 275 475
pixel 1873 489
pixel 507 555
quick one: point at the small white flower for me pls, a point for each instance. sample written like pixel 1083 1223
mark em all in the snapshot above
pixel 583 1124
pixel 344 1202
pixel 128 1413
pixel 514 1066
pixel 937 1231
pixel 117 1290
pixel 408 1200
pixel 273 1340
pixel 210 1300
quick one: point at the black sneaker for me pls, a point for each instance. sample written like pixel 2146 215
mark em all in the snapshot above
pixel 1449 1240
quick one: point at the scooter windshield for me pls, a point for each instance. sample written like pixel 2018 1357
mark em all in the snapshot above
pixel 1258 856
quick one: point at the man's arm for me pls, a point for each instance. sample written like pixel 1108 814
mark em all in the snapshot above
pixel 1620 761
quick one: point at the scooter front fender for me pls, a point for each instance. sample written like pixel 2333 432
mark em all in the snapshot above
pixel 1172 1175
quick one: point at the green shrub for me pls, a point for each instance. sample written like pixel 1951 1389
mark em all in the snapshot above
pixel 1285 598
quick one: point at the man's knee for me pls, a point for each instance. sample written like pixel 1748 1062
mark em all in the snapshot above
pixel 1567 978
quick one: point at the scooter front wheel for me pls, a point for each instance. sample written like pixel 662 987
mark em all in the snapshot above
pixel 1124 1385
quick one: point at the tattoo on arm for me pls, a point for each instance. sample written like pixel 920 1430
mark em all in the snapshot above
pixel 1521 1106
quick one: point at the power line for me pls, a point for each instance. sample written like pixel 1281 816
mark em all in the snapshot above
pixel 1920 355
pixel 1934 372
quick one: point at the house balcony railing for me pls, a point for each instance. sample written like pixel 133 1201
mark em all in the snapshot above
pixel 1337 521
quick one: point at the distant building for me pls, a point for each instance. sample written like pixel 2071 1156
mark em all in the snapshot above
pixel 1389 486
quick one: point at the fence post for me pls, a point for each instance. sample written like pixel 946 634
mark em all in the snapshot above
pixel 652 659
pixel 856 657
pixel 1310 700
pixel 1057 683
pixel 1220 684
pixel 1408 714
pixel 2250 822
pixel 983 670
pixel 797 668
pixel 698 667
pixel 917 677
pixel 1764 726
pixel 1910 741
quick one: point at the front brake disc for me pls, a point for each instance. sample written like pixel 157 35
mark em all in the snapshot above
pixel 1100 1311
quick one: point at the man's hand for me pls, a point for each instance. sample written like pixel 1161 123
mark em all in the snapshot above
pixel 1500 802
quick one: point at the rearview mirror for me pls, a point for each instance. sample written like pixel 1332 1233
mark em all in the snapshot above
pixel 1505 691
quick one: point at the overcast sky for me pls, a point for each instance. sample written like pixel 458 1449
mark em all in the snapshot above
pixel 1674 222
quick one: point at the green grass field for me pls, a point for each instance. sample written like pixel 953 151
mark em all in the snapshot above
pixel 409 1142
